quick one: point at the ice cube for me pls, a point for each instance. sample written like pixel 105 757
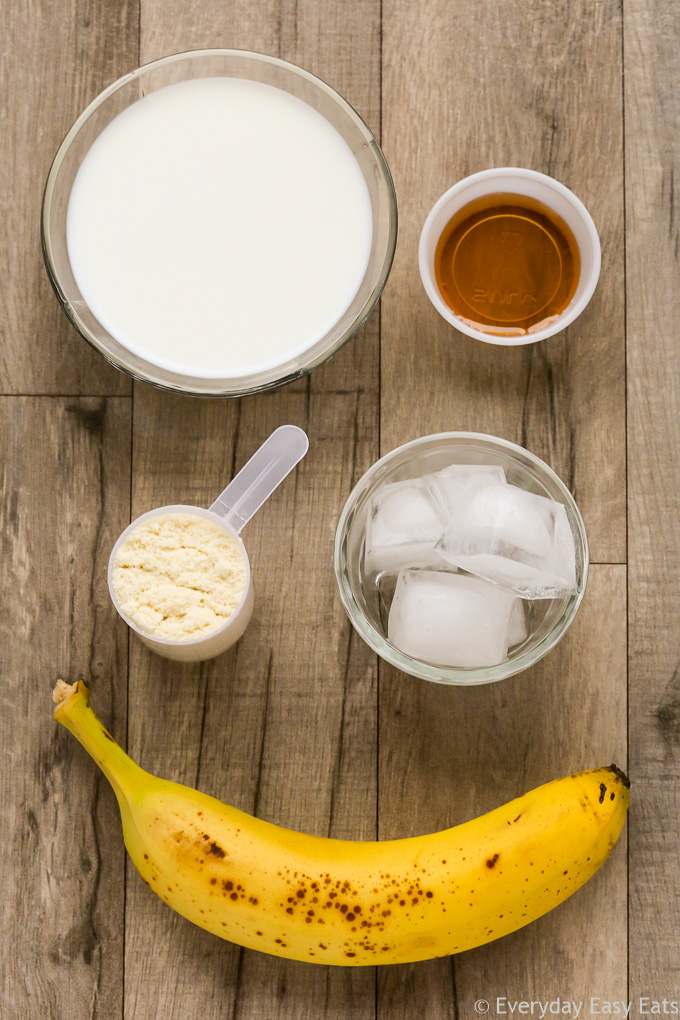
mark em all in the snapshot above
pixel 403 525
pixel 514 538
pixel 449 619
pixel 517 626
pixel 449 484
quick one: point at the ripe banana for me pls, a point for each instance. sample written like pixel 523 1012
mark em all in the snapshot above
pixel 346 903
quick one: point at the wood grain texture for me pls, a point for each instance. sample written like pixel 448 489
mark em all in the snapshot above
pixel 449 754
pixel 289 724
pixel 465 87
pixel 652 105
pixel 472 85
pixel 63 498
pixel 56 58
pixel 285 724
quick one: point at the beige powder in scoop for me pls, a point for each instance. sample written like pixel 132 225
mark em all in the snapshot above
pixel 179 577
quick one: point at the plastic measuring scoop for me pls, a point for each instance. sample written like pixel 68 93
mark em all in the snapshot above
pixel 232 510
pixel 263 473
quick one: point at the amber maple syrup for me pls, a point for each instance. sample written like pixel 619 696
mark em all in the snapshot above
pixel 507 264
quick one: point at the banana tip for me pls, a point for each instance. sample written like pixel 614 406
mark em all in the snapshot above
pixel 62 691
pixel 620 774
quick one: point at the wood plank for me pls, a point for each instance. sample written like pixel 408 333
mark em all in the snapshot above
pixel 449 754
pixel 473 85
pixel 274 697
pixel 652 105
pixel 340 44
pixel 285 724
pixel 63 499
pixel 56 59
pixel 466 87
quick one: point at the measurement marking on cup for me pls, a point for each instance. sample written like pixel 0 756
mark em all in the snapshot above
pixel 499 297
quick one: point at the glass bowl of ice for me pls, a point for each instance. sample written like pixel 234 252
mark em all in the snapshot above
pixel 461 558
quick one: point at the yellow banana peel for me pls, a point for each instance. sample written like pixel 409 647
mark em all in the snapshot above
pixel 355 903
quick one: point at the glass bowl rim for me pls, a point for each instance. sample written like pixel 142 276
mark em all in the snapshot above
pixel 175 385
pixel 451 675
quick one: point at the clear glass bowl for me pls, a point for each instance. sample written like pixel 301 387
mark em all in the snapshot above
pixel 206 64
pixel 547 620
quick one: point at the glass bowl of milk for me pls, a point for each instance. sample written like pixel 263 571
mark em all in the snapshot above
pixel 461 548
pixel 218 222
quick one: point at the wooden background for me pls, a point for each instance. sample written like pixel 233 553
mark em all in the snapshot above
pixel 300 723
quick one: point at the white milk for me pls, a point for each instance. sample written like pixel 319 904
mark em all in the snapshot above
pixel 219 227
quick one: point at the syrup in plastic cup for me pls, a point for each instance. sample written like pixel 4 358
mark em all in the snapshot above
pixel 231 511
pixel 507 181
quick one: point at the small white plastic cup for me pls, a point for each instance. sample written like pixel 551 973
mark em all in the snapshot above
pixel 513 180
pixel 217 641
pixel 231 511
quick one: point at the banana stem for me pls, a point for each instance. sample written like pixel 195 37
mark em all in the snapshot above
pixel 75 713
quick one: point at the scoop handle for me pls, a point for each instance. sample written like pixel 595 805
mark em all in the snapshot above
pixel 263 473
